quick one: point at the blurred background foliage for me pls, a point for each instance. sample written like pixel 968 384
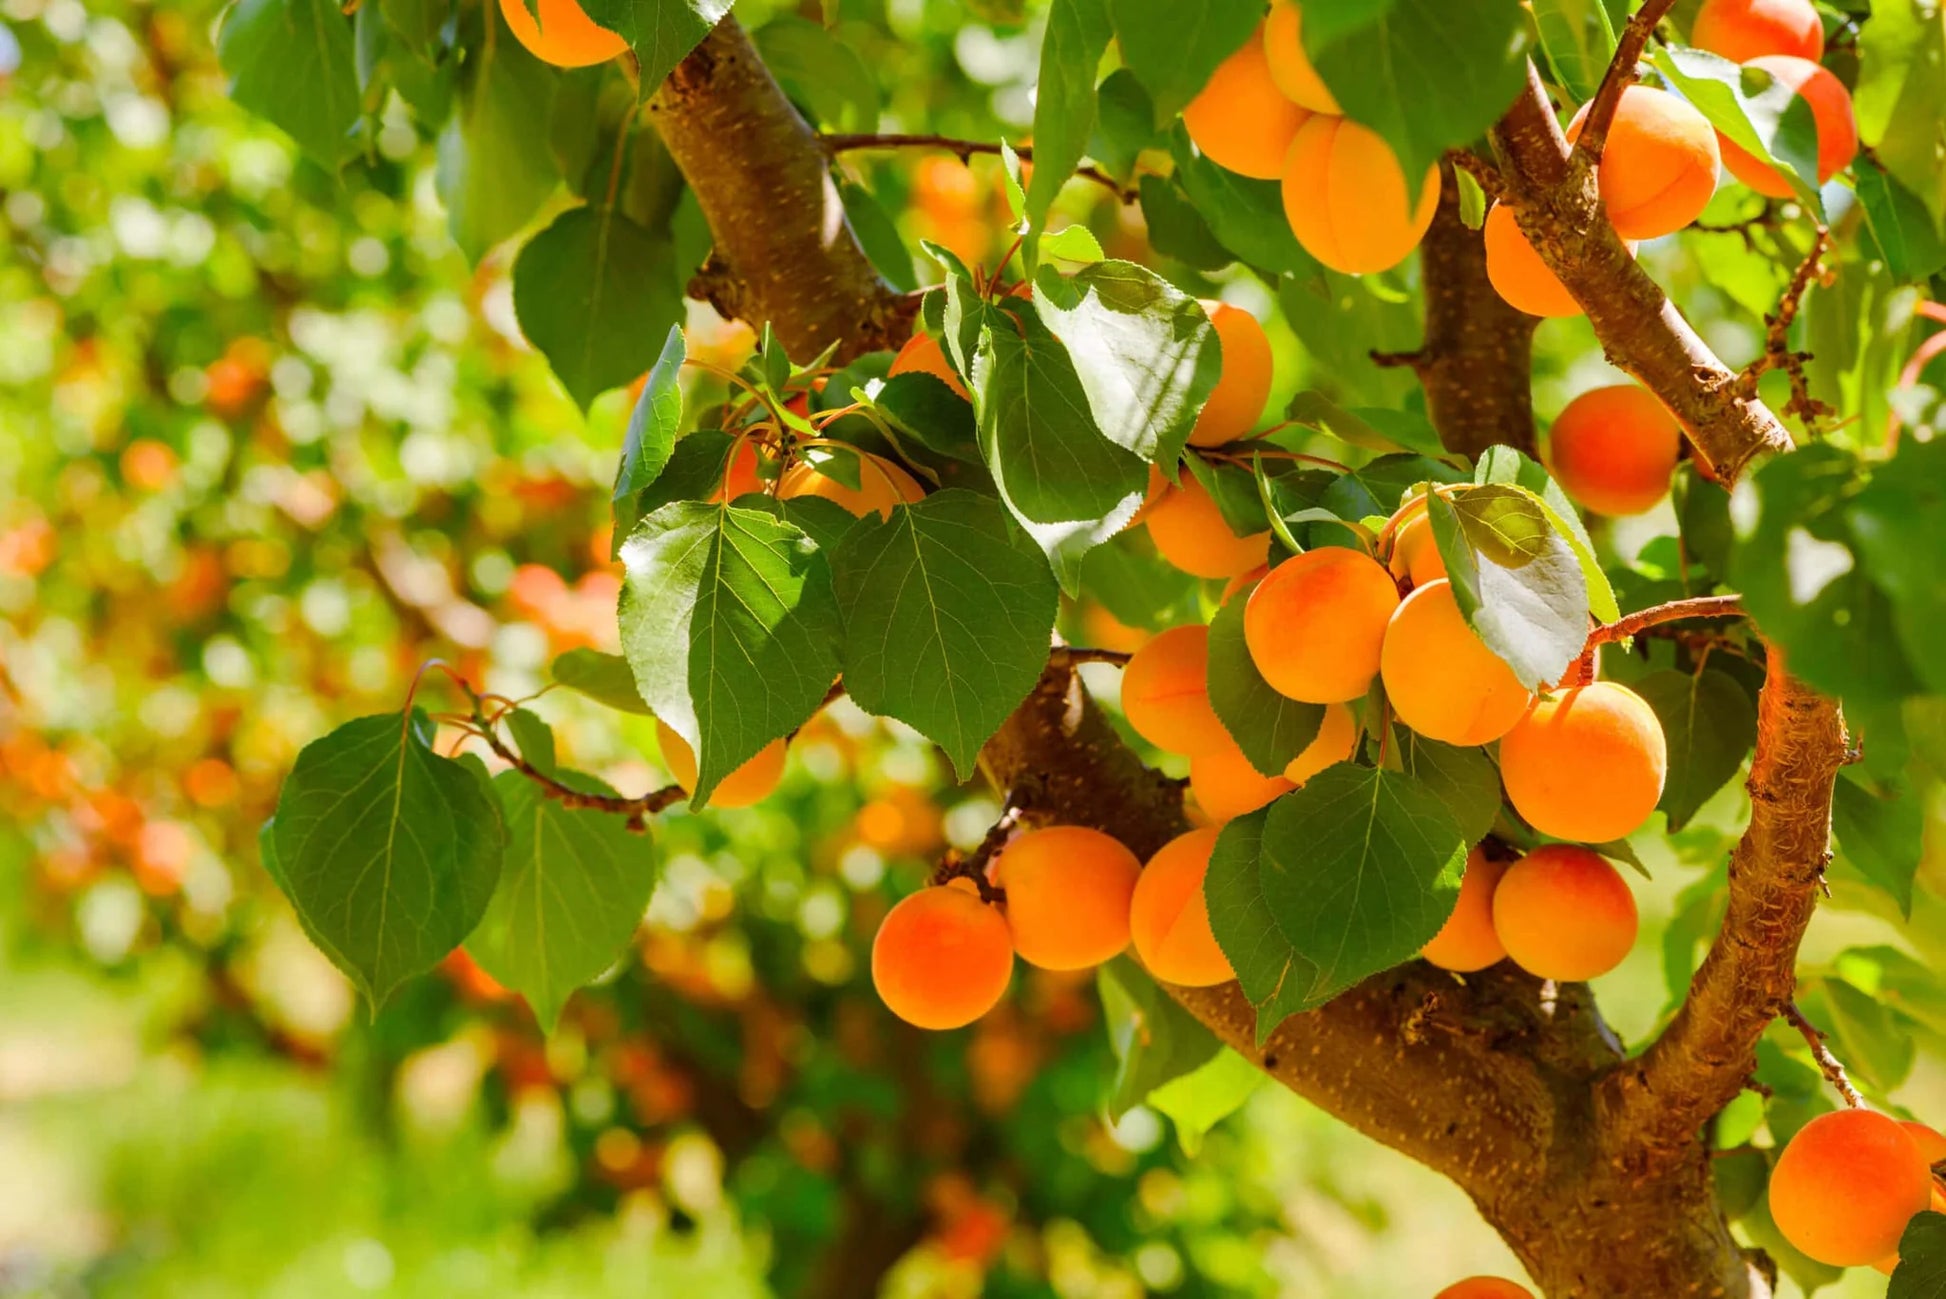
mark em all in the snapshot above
pixel 268 441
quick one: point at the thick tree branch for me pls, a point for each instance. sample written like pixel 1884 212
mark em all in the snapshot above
pixel 1619 77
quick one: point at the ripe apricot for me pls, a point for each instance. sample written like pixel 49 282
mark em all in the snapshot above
pixel 1564 913
pixel 1742 30
pixel 1931 1143
pixel 1188 529
pixel 1336 741
pixel 1586 764
pixel 1415 553
pixel 922 354
pixel 565 36
pixel 881 485
pixel 1485 1287
pixel 1226 785
pixel 1165 693
pixel 1441 678
pixel 740 477
pixel 1659 166
pixel 1238 400
pixel 1846 1185
pixel 1346 198
pixel 941 958
pixel 1240 583
pixel 1169 919
pixel 749 783
pixel 1316 624
pixel 1467 941
pixel 1068 895
pixel 1240 119
pixel 1830 108
pixel 1290 66
pixel 1614 449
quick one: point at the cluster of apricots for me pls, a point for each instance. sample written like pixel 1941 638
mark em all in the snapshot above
pixel 1849 1182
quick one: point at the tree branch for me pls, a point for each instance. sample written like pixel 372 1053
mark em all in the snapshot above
pixel 1834 1072
pixel 1619 76
pixel 635 809
pixel 1702 606
pixel 964 149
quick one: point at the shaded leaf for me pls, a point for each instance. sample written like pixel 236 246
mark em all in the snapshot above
pixel 1270 728
pixel 652 426
pixel 293 63
pixel 1464 779
pixel 1173 47
pixel 1710 724
pixel 604 678
pixel 496 164
pixel 1515 578
pixel 661 32
pixel 1154 1039
pixel 1198 1101
pixel 1273 976
pixel 1883 839
pixel 1064 99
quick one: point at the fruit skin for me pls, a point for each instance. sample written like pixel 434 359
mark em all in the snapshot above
pixel 881 485
pixel 1165 693
pixel 1830 107
pixel 922 354
pixel 1068 894
pixel 1586 764
pixel 1315 626
pixel 1290 66
pixel 1240 119
pixel 1846 1185
pixel 750 783
pixel 1614 449
pixel 942 958
pixel 1238 401
pixel 1440 676
pixel 740 477
pixel 565 36
pixel 1485 1287
pixel 1564 913
pixel 1345 197
pixel 1226 785
pixel 1415 553
pixel 1169 919
pixel 1659 166
pixel 1467 941
pixel 1336 741
pixel 1188 529
pixel 1742 30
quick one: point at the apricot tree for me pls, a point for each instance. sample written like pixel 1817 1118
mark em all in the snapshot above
pixel 1421 705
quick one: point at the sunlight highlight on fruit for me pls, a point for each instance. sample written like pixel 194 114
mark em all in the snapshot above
pixel 1847 1185
pixel 1468 941
pixel 1241 119
pixel 1346 197
pixel 1441 678
pixel 942 958
pixel 1165 693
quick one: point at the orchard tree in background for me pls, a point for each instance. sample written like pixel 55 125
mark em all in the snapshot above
pixel 1423 704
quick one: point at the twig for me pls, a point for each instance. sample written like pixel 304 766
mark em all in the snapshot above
pixel 1777 353
pixel 1834 1072
pixel 1481 170
pixel 1702 606
pixel 973 866
pixel 1766 218
pixel 1619 77
pixel 1399 360
pixel 635 809
pixel 1075 655
pixel 965 149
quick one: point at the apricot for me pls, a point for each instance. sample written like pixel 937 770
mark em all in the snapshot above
pixel 740 477
pixel 1238 401
pixel 1931 1143
pixel 881 485
pixel 1336 741
pixel 1189 531
pixel 1415 553
pixel 1441 678
pixel 1564 913
pixel 1846 1185
pixel 1240 583
pixel 1226 785
pixel 749 783
pixel 1169 919
pixel 1240 119
pixel 1742 30
pixel 1346 198
pixel 1830 108
pixel 1290 66
pixel 1467 941
pixel 1586 764
pixel 1614 449
pixel 1068 895
pixel 941 958
pixel 565 36
pixel 1659 166
pixel 1316 625
pixel 1165 693
pixel 1485 1287
pixel 922 354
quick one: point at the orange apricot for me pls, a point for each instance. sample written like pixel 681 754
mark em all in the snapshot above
pixel 1614 449
pixel 1346 197
pixel 749 783
pixel 1846 1185
pixel 1169 919
pixel 1226 785
pixel 1189 531
pixel 1931 1143
pixel 1290 66
pixel 1415 553
pixel 1165 693
pixel 1441 678
pixel 1241 582
pixel 1742 30
pixel 740 477
pixel 1586 764
pixel 1517 272
pixel 1467 941
pixel 1316 625
pixel 1485 1287
pixel 1336 741
pixel 565 36
pixel 1238 400
pixel 1830 108
pixel 922 354
pixel 1659 166
pixel 1564 913
pixel 881 485
pixel 1240 119
pixel 942 958
pixel 1068 895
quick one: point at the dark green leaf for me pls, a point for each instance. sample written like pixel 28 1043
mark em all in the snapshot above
pixel 1173 47
pixel 1137 586
pixel 1177 229
pixel 1899 520
pixel 1465 780
pixel 1125 123
pixel 1579 43
pixel 1064 99
pixel 1066 545
pixel 1246 216
pixel 1907 236
pixel 1155 1040
pixel 496 163
pixel 604 678
pixel 1710 723
pixel 534 738
pixel 819 71
pixel 1921 1273
pixel 660 31
pixel 592 292
pixel 292 62
pixel 1761 115
pixel 1883 839
pixel 1270 728
pixel 695 471
pixel 1372 428
pixel 877 235
pixel 923 407
pixel 1516 580
pixel 652 426
pixel 1873 1045
pixel 1274 977
pixel 1900 99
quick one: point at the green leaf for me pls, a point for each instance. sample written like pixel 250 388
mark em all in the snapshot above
pixel 590 292
pixel 1177 229
pixel 1154 1039
pixel 571 893
pixel 819 71
pixel 1125 118
pixel 1064 98
pixel 604 678
pixel 661 32
pixel 652 426
pixel 1504 465
pixel 949 611
pixel 1750 107
pixel 1270 728
pixel 387 850
pixel 1900 99
pixel 1273 976
pixel 1076 243
pixel 1066 545
pixel 1198 1101
pixel 1907 236
pixel 1516 580
pixel 1883 839
pixel 1711 725
pixel 535 740
pixel 1899 520
pixel 1173 47
pixel 877 234
pixel 695 470
pixel 923 407
pixel 728 620
pixel 1578 41
pixel 1372 428
pixel 1464 779
pixel 1246 216
pixel 496 164
pixel 292 62
pixel 1361 867
pixel 1873 1045
pixel 1921 1273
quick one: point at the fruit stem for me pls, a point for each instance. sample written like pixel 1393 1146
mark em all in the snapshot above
pixel 1834 1072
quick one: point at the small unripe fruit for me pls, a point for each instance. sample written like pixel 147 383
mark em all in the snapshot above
pixel 1467 941
pixel 1485 1287
pixel 1564 913
pixel 1830 108
pixel 922 354
pixel 1188 530
pixel 1238 400
pixel 1742 30
pixel 1659 166
pixel 1415 553
pixel 1226 785
pixel 750 783
pixel 1441 678
pixel 1336 741
pixel 1316 624
pixel 1169 919
pixel 1586 764
pixel 941 958
pixel 1846 1186
pixel 1068 895
pixel 1290 66
pixel 881 485
pixel 1240 119
pixel 1614 449
pixel 565 36
pixel 1165 693
pixel 1347 200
